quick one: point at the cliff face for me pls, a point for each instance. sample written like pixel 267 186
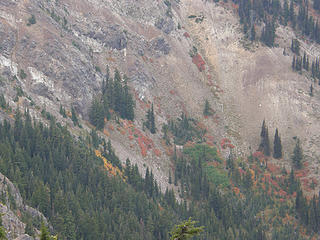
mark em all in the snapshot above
pixel 14 211
pixel 176 54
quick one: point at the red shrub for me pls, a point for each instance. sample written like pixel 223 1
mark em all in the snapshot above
pixel 199 62
pixel 187 35
pixel 157 152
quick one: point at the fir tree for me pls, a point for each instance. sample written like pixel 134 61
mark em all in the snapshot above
pixel 185 230
pixel 316 4
pixel 297 155
pixel 44 234
pixel 265 143
pixel 293 65
pixel 286 13
pixel 277 147
pixel 207 109
pixel 74 117
pixel 292 15
pixel 253 34
pixel 150 122
pixel 97 113
pixel 63 111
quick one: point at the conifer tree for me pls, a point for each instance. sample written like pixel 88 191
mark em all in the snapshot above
pixel 316 4
pixel 74 117
pixel 63 111
pixel 150 122
pixel 277 147
pixel 293 65
pixel 207 109
pixel 265 143
pixel 185 230
pixel 97 113
pixel 297 155
pixel 253 34
pixel 292 15
pixel 286 13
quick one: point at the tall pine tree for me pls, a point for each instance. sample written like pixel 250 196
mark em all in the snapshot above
pixel 297 155
pixel 265 143
pixel 277 147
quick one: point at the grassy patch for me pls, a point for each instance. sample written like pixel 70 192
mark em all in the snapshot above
pixel 216 176
pixel 205 152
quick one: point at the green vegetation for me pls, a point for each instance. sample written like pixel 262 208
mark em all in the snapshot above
pixel 185 230
pixel 19 93
pixel 297 156
pixel 76 45
pixel 204 151
pixel 216 176
pixel 31 20
pixel 265 143
pixel 98 69
pixel 3 235
pixel 3 103
pixel 207 111
pixel 150 121
pixel 74 117
pixel 277 147
pixel 115 95
pixel 184 129
pixel 22 74
pixel 270 14
pixel 68 183
pixel 63 111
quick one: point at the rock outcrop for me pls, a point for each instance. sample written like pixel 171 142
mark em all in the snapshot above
pixel 12 208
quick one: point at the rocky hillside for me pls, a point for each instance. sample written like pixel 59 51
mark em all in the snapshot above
pixel 176 55
pixel 16 215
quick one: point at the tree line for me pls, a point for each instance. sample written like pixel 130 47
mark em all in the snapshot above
pixel 115 96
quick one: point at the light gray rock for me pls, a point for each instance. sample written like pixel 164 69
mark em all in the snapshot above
pixel 24 237
pixel 160 45
pixel 165 24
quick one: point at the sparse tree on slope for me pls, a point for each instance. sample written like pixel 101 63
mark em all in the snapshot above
pixel 277 147
pixel 185 230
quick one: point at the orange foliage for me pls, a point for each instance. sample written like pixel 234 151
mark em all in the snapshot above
pixel 225 142
pixel 282 193
pixel 189 144
pixel 252 174
pixel 236 190
pixel 273 168
pixel 144 142
pixel 108 166
pixel 105 132
pixel 259 155
pixel 157 152
pixel 211 144
pixel 68 113
pixel 130 137
pixel 214 164
pixel 301 173
pixel 142 147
